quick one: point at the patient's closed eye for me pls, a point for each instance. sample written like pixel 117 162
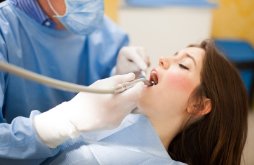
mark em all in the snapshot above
pixel 183 66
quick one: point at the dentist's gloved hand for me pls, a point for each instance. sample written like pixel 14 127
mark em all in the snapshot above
pixel 88 112
pixel 132 59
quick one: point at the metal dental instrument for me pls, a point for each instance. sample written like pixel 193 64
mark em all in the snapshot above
pixel 124 86
pixel 66 86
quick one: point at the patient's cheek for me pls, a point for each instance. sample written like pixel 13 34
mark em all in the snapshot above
pixel 180 82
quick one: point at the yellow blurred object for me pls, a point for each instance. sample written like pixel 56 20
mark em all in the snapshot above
pixel 234 19
pixel 111 9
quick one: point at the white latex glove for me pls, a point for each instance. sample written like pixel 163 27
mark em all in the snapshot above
pixel 132 59
pixel 87 112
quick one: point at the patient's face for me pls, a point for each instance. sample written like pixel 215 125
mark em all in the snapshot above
pixel 177 75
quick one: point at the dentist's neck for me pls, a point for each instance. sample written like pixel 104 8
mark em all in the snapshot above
pixel 59 6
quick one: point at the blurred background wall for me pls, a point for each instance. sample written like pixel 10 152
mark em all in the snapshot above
pixel 111 8
pixel 234 19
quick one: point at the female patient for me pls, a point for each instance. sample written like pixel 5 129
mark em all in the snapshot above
pixel 195 114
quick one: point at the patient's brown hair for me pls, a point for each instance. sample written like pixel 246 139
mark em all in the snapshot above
pixel 219 137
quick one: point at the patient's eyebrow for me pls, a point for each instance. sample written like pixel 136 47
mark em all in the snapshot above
pixel 191 57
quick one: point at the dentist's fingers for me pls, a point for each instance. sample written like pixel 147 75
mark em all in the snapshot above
pixel 132 94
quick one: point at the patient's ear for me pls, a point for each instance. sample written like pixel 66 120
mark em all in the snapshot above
pixel 200 109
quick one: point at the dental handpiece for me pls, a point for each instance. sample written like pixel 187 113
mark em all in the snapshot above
pixel 66 86
pixel 126 85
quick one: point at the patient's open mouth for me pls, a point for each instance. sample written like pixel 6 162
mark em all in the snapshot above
pixel 154 77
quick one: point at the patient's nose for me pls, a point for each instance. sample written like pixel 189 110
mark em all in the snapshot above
pixel 164 62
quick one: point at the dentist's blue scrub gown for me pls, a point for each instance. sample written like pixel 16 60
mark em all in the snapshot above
pixel 134 142
pixel 57 54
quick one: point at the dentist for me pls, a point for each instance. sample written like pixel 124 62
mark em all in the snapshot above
pixel 68 40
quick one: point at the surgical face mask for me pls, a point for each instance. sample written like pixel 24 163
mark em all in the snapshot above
pixel 82 16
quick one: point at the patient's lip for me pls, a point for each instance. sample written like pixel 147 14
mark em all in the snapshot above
pixel 154 76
